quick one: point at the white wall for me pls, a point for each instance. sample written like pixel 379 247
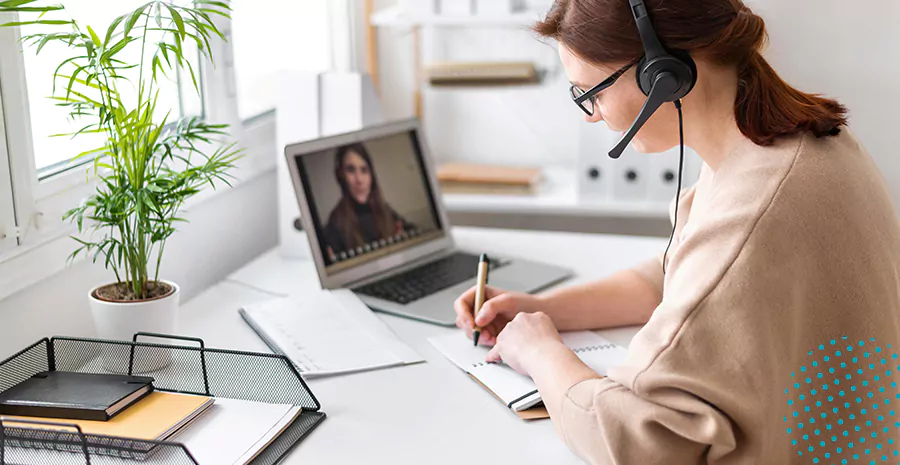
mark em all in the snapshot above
pixel 839 48
pixel 224 233
pixel 297 38
pixel 845 50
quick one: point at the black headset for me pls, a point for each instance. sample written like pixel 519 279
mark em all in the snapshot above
pixel 663 75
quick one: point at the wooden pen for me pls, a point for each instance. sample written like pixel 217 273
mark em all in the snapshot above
pixel 481 282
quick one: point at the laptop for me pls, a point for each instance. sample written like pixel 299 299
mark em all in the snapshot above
pixel 371 207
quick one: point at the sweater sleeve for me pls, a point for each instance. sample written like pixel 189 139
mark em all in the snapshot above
pixel 652 271
pixel 604 422
pixel 668 419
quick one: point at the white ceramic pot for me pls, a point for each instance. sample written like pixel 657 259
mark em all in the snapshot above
pixel 121 320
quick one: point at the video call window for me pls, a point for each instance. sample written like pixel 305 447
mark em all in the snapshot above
pixel 369 199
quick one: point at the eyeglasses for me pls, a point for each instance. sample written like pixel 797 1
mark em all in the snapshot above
pixel 585 100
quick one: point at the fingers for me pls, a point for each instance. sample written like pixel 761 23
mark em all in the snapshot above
pixel 493 355
pixel 488 336
pixel 491 318
pixel 491 292
pixel 491 331
pixel 464 323
pixel 500 304
pixel 463 308
pixel 487 339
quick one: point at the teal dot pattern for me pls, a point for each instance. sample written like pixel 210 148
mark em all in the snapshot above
pixel 843 404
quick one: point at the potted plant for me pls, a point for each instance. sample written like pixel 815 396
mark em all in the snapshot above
pixel 148 165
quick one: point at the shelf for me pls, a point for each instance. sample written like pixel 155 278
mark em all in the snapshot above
pixel 542 74
pixel 558 196
pixel 396 17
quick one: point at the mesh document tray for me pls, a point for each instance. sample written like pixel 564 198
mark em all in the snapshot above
pixel 183 369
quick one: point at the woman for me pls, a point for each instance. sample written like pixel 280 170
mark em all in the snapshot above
pixel 787 244
pixel 362 217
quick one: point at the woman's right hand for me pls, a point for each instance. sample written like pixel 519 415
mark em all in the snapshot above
pixel 499 308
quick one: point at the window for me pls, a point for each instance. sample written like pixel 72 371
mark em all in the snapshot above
pixel 52 153
pixel 37 171
pixel 296 38
pixel 39 182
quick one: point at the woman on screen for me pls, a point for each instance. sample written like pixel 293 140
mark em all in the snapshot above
pixel 362 216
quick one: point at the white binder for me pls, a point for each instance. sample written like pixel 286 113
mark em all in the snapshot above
pixel 662 175
pixel 630 176
pixel 595 168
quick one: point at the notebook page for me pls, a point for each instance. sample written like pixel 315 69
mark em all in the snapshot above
pixel 601 357
pixel 234 430
pixel 269 436
pixel 322 337
pixel 503 381
pixel 595 351
pixel 366 318
pixel 460 350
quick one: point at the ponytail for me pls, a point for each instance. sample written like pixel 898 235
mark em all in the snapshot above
pixel 767 108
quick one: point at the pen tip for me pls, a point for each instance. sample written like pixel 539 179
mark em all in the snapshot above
pixel 475 337
pixel 482 258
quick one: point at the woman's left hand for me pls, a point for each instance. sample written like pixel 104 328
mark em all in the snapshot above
pixel 523 339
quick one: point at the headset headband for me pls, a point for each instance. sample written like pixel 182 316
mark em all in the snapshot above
pixel 652 46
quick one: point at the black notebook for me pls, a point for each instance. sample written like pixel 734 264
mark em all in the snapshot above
pixel 77 396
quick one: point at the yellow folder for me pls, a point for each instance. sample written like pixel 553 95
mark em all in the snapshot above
pixel 156 417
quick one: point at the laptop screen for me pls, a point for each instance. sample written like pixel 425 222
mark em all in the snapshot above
pixel 369 199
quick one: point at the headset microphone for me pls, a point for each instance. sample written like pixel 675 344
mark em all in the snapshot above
pixel 662 88
pixel 663 76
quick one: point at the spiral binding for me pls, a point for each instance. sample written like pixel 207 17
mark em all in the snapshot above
pixel 593 348
pixel 577 351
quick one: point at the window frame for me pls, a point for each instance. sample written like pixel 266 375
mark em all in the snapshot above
pixel 14 92
pixel 8 234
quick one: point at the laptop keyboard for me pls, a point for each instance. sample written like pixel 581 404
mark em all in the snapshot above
pixel 427 279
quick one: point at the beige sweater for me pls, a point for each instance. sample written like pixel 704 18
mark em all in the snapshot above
pixel 782 251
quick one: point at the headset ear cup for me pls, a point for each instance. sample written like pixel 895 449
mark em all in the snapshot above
pixel 690 75
pixel 638 71
pixel 676 62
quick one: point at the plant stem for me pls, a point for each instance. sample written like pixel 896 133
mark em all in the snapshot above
pixel 170 211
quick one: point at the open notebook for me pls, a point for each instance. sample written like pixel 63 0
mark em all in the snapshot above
pixel 328 333
pixel 517 391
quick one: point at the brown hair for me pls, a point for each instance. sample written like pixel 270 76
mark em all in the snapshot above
pixel 725 32
pixel 344 215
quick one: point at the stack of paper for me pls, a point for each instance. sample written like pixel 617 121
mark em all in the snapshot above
pixel 236 431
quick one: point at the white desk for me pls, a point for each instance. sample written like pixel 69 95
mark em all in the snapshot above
pixel 426 413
